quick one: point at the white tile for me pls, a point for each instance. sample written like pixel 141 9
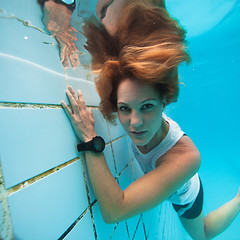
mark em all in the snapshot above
pixel 126 178
pixel 132 224
pixel 26 42
pixel 43 139
pixel 150 220
pixel 47 208
pixel 83 229
pixel 140 234
pixel 137 171
pixel 120 233
pixel 30 83
pixel 38 75
pixel 104 231
pixel 33 141
pixel 110 163
pixel 121 153
pixel 100 125
pixel 117 130
pixel 88 90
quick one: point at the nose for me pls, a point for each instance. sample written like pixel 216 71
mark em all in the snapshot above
pixel 136 120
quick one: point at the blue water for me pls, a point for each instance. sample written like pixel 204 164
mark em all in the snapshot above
pixel 208 107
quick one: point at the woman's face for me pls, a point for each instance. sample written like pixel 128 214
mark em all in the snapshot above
pixel 109 12
pixel 140 113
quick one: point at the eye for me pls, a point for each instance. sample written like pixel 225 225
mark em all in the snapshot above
pixel 104 9
pixel 147 106
pixel 124 109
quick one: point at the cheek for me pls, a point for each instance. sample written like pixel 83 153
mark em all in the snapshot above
pixel 153 119
pixel 110 25
pixel 123 119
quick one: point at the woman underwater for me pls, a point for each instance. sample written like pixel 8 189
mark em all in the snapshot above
pixel 137 61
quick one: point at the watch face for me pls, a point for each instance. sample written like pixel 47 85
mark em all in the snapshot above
pixel 98 144
pixel 68 1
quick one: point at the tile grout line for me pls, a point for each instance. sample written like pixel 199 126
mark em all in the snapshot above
pixel 76 221
pixel 144 228
pixel 126 224
pixel 115 227
pixel 148 231
pixel 111 141
pixel 6 231
pixel 28 105
pixel 133 157
pixel 34 105
pixel 88 197
pixel 40 176
pixel 126 166
pixel 137 227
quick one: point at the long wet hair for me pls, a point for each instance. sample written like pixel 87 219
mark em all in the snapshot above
pixel 148 46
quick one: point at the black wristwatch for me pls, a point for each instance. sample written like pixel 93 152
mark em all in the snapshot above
pixel 70 4
pixel 97 145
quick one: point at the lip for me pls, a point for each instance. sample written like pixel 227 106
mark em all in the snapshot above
pixel 138 133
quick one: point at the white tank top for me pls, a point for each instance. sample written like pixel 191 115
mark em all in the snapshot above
pixel 189 191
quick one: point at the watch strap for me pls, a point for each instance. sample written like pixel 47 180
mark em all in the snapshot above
pixel 97 145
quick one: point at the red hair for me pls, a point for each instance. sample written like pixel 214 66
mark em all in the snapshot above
pixel 148 46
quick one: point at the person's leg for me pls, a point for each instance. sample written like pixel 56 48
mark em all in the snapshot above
pixel 214 223
pixel 219 220
pixel 194 227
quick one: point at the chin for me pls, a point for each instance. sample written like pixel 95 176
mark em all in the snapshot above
pixel 111 28
pixel 140 142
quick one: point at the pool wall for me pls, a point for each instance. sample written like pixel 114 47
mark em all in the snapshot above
pixel 45 192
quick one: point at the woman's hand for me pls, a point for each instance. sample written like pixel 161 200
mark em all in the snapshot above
pixel 57 21
pixel 82 120
pixel 69 52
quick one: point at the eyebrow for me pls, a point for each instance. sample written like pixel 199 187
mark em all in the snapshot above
pixel 149 99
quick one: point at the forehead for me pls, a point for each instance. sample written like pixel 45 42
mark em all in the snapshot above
pixel 118 4
pixel 133 90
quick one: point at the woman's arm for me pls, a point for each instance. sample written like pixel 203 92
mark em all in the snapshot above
pixel 144 193
pixel 56 18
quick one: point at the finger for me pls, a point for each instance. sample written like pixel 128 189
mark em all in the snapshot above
pixel 72 60
pixel 74 29
pixel 72 101
pixel 62 53
pixel 73 93
pixel 66 109
pixel 65 63
pixel 71 32
pixel 62 38
pixel 91 115
pixel 74 37
pixel 81 99
pixel 63 56
pixel 76 58
pixel 73 49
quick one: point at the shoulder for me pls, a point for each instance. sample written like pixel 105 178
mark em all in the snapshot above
pixel 184 156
